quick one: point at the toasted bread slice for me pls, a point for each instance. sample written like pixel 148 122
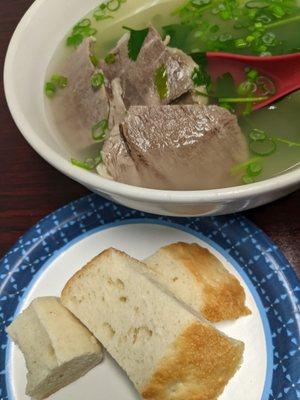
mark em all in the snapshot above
pixel 197 278
pixel 167 352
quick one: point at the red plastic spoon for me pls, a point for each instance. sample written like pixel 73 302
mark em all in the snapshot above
pixel 284 71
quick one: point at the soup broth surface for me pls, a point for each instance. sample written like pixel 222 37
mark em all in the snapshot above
pixel 281 119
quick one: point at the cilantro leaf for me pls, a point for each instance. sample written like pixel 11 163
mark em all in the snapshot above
pixel 200 75
pixel 136 42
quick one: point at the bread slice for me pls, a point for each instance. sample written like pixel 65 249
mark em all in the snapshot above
pixel 167 352
pixel 57 348
pixel 197 278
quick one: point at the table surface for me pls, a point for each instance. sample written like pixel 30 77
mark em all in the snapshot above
pixel 30 188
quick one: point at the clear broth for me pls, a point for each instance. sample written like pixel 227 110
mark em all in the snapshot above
pixel 281 119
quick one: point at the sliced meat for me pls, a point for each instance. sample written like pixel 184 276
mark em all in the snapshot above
pixel 114 148
pixel 117 159
pixel 137 77
pixel 117 109
pixel 78 107
pixel 179 147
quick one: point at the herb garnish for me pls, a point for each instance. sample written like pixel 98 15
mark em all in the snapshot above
pixel 261 145
pixel 50 89
pixel 236 26
pixel 102 12
pixel 89 163
pixel 99 130
pixel 56 82
pixel 254 89
pixel 97 80
pixel 110 58
pixel 161 82
pixel 84 28
pixel 200 77
pixel 94 60
pixel 136 41
pixel 80 31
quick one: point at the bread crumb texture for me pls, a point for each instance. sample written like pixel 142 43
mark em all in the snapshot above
pixel 197 367
pixel 223 297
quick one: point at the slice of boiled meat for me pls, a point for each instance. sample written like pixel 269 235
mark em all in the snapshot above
pixel 117 109
pixel 138 77
pixel 78 107
pixel 178 147
pixel 114 148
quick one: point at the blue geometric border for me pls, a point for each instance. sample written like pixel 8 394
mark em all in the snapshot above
pixel 268 270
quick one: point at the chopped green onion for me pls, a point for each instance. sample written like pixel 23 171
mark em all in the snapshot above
pixel 88 31
pixel 269 38
pixel 84 23
pixel 239 167
pixel 257 134
pixel 50 89
pixel 246 88
pixel 94 60
pixel 277 11
pixel 56 82
pixel 98 160
pixel 286 141
pixel 250 38
pixel 242 99
pixel 265 86
pixel 254 169
pixel 80 31
pixel 82 164
pixel 59 81
pixel 110 58
pixel 265 19
pixel 257 4
pixel 248 109
pixel 283 22
pixel 97 80
pixel 101 13
pixel 99 130
pixel 113 5
pixel 224 37
pixel 200 3
pixel 255 18
pixel 247 179
pixel 240 43
pixel 264 147
pixel 89 163
pixel 161 82
pixel 252 74
pixel 99 16
pixel 75 40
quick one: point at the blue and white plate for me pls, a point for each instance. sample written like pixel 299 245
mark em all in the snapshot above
pixel 43 259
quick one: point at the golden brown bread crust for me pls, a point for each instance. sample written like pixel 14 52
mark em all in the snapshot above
pixel 226 299
pixel 197 367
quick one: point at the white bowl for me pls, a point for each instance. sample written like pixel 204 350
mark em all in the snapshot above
pixel 32 46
